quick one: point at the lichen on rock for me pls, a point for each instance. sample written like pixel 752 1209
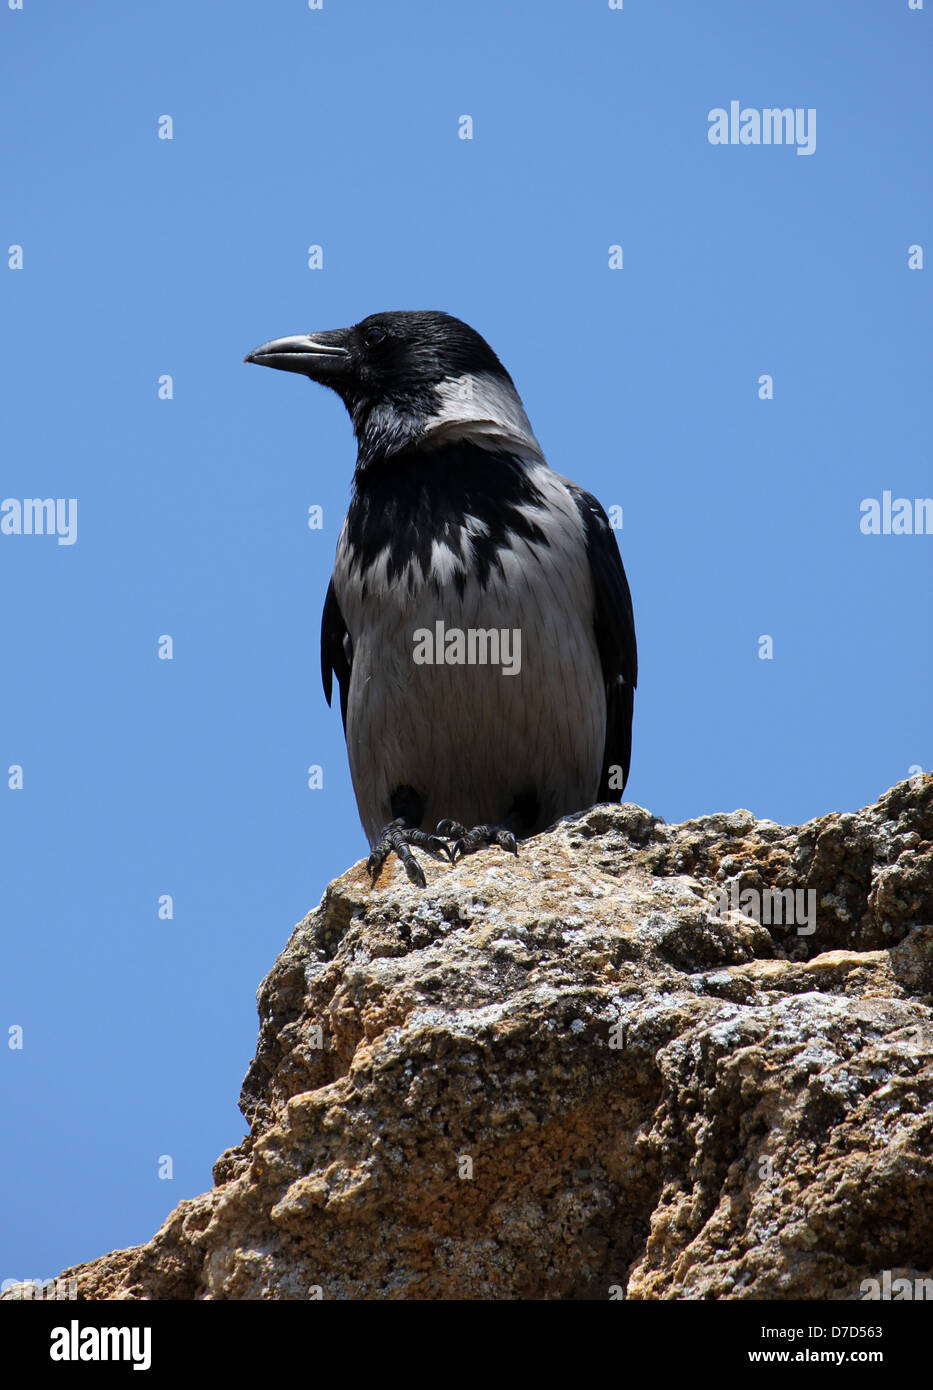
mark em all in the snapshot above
pixel 574 1072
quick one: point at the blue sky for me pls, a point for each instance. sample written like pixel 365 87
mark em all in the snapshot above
pixel 144 257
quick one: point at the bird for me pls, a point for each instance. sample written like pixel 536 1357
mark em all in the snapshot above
pixel 478 621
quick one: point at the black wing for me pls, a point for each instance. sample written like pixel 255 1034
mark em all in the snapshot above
pixel 336 651
pixel 614 624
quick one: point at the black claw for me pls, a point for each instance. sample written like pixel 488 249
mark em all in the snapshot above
pixel 450 829
pixel 450 838
pixel 414 870
pixel 374 863
pixel 469 841
pixel 396 838
pixel 423 840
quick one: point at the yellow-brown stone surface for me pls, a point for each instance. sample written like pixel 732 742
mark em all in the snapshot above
pixel 570 1074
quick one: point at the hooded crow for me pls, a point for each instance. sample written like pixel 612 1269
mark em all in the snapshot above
pixel 478 620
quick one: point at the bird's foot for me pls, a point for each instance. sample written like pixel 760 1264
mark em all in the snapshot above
pixel 397 836
pixel 462 842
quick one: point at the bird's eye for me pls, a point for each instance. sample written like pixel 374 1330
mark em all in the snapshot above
pixel 374 336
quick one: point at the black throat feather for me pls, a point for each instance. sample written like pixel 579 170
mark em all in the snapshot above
pixel 404 504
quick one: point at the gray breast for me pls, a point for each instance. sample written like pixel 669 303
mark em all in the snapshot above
pixel 470 736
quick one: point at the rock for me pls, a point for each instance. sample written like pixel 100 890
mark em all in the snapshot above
pixel 578 1074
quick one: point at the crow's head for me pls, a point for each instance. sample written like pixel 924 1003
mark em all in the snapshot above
pixel 415 378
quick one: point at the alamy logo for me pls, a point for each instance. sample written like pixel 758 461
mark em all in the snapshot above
pixel 40 516
pixel 77 1343
pixel 473 646
pixel 781 907
pixel 23 1290
pixel 896 1290
pixel 896 516
pixel 772 125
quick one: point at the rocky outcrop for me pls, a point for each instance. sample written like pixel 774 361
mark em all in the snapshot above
pixel 588 1072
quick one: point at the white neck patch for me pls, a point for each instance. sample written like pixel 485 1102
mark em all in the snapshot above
pixel 484 410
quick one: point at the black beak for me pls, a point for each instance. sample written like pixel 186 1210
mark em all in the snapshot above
pixel 321 356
